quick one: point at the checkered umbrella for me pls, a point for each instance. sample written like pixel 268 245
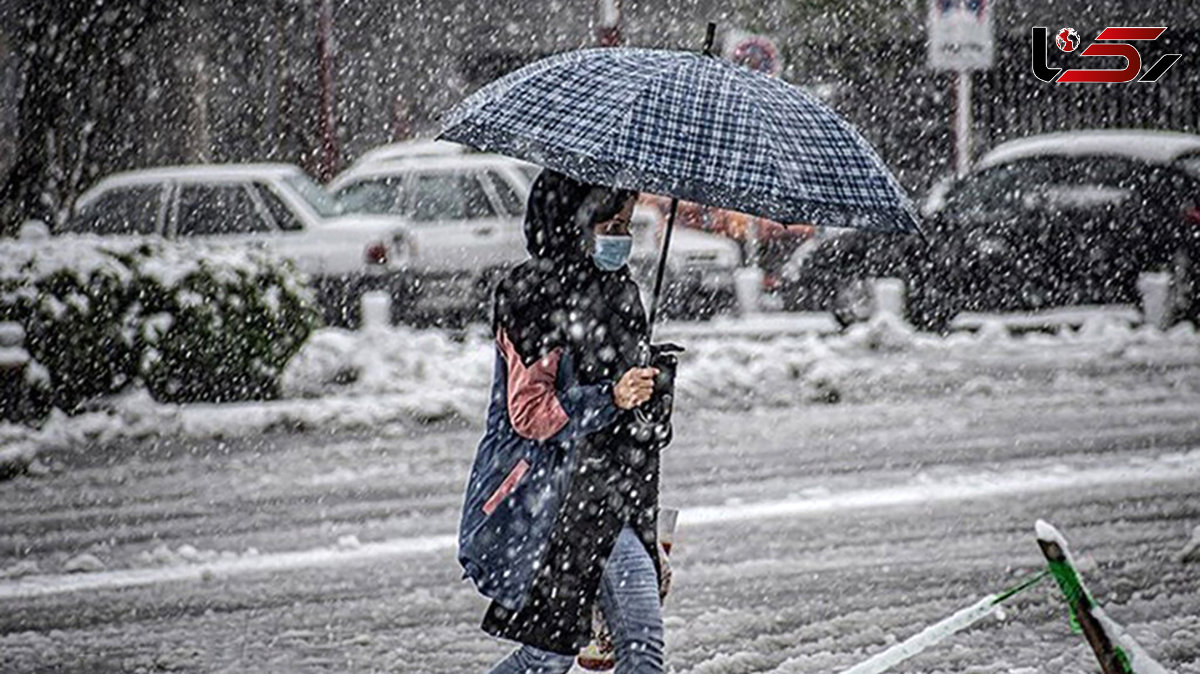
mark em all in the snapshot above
pixel 688 126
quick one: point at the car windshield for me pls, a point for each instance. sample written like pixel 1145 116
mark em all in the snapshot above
pixel 315 195
pixel 530 171
pixel 374 195
pixel 1048 183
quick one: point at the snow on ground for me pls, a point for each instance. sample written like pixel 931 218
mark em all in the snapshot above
pixel 186 562
pixel 316 533
pixel 347 380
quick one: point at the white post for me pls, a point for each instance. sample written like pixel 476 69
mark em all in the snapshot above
pixel 1155 289
pixel 889 297
pixel 962 135
pixel 376 310
pixel 747 284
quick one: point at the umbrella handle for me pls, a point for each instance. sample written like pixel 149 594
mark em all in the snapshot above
pixel 662 267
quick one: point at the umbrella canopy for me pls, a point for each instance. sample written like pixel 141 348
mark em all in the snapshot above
pixel 689 126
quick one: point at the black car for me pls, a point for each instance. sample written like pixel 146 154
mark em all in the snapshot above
pixel 1049 221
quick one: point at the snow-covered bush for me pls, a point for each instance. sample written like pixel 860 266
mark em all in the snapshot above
pixel 73 302
pixel 220 326
pixel 192 322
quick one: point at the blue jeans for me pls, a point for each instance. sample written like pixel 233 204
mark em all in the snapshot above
pixel 629 599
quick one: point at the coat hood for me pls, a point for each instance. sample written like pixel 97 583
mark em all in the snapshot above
pixel 560 214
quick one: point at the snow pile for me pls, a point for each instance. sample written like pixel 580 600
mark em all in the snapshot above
pixel 25 567
pixel 83 563
pixel 346 380
pixel 1190 552
pixel 723 371
pixel 389 360
pixel 81 257
pixel 885 332
pixel 188 321
pixel 138 416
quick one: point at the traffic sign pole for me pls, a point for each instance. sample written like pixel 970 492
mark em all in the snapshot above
pixel 963 124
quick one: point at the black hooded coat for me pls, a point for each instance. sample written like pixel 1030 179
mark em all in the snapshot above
pixel 559 298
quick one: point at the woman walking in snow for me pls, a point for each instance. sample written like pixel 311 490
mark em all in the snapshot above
pixel 562 503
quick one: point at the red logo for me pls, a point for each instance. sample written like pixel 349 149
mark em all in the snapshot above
pixel 1067 39
pixel 1112 41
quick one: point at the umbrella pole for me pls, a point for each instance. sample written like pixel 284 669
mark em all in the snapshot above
pixel 662 258
pixel 662 267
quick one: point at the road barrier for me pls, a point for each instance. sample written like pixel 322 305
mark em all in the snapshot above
pixel 1115 649
pixel 1155 289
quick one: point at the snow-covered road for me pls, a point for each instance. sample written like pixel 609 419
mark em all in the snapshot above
pixel 811 535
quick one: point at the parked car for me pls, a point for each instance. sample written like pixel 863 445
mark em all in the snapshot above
pixel 1052 220
pixel 698 280
pixel 467 212
pixel 773 242
pixel 275 206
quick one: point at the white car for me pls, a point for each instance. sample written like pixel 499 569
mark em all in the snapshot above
pixel 274 206
pixel 467 213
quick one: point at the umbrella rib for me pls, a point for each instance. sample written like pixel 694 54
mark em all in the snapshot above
pixel 631 106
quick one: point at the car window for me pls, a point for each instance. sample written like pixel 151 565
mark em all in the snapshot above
pixel 285 219
pixel 217 209
pixel 531 171
pixel 449 196
pixel 375 195
pixel 1169 188
pixel 1085 183
pixel 1098 171
pixel 124 211
pixel 321 201
pixel 1003 189
pixel 510 201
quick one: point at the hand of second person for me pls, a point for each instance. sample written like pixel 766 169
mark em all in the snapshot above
pixel 635 387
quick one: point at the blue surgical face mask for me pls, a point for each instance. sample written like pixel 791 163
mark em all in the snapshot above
pixel 612 252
